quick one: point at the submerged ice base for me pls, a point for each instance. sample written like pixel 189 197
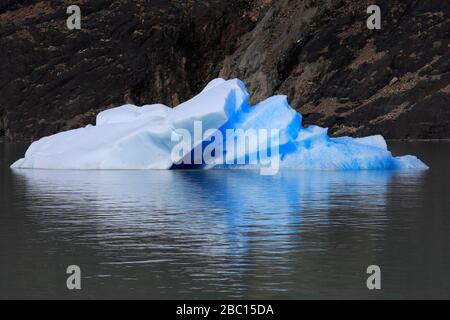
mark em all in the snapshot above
pixel 131 137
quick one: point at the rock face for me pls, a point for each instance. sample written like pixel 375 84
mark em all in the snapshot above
pixel 338 73
pixel 127 51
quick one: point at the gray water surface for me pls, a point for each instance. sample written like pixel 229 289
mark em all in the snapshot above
pixel 226 234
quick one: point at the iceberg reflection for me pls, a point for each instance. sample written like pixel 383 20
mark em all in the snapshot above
pixel 213 225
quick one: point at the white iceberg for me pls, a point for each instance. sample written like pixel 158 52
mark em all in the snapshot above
pixel 131 137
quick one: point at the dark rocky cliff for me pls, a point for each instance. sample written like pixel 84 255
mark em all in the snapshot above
pixel 394 81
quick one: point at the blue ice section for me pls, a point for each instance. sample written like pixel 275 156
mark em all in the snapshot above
pixel 312 148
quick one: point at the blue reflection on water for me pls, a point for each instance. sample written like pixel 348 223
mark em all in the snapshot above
pixel 231 203
pixel 207 225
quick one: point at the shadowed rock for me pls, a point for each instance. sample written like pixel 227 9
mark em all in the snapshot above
pixel 394 81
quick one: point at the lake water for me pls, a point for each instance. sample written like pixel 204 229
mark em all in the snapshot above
pixel 226 234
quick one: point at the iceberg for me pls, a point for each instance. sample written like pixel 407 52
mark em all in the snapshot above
pixel 143 138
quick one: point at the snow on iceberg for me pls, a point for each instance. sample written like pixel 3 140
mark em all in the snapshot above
pixel 131 137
